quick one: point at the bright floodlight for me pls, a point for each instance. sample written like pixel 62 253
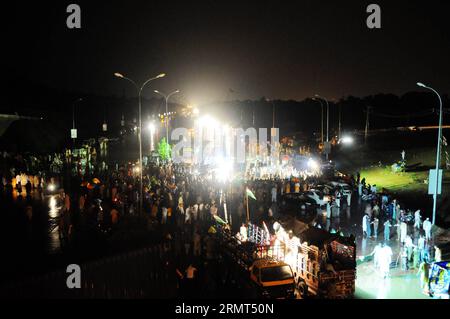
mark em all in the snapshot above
pixel 347 140
pixel 421 84
pixel 119 75
pixel 312 164
pixel 207 121
pixel 224 170
pixel 51 187
pixel 151 127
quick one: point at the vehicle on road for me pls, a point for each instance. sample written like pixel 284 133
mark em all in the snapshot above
pixel 439 280
pixel 272 279
pixel 295 202
pixel 318 197
pixel 260 264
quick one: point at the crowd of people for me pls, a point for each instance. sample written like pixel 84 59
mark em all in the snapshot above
pixel 183 206
pixel 411 232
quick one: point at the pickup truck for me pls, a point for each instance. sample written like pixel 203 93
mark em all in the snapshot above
pixel 272 279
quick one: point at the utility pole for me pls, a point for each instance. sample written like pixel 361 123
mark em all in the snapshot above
pixel 253 116
pixel 367 124
pixel 339 127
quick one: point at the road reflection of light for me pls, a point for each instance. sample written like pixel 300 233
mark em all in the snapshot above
pixel 383 288
pixel 54 209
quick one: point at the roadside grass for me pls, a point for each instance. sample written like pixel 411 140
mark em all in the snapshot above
pixel 383 177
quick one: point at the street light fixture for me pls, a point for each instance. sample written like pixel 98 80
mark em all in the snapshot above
pixel 166 97
pixel 438 152
pixel 139 90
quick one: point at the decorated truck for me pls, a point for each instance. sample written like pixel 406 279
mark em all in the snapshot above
pixel 323 264
pixel 261 263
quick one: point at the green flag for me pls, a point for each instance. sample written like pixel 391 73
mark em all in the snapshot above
pixel 250 194
pixel 219 220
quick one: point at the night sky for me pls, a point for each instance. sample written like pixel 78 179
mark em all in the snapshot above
pixel 276 49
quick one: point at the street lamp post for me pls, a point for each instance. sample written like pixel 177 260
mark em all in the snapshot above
pixel 166 97
pixel 73 119
pixel 321 122
pixel 73 116
pixel 438 152
pixel 328 118
pixel 139 90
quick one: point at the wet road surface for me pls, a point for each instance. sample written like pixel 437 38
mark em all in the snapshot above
pixel 24 244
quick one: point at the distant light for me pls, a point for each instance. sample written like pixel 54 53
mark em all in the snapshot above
pixel 51 187
pixel 151 127
pixel 118 75
pixel 160 75
pixel 346 140
pixel 156 91
pixel 196 111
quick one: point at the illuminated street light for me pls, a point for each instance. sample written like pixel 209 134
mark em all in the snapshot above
pixel 166 97
pixel 139 90
pixel 438 152
pixel 346 140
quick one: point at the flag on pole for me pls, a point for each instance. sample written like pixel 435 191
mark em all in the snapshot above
pixel 219 220
pixel 250 194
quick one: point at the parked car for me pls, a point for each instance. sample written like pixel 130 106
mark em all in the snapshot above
pixel 294 202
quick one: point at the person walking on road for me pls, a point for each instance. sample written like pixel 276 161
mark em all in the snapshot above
pixel 427 228
pixel 387 230
pixel 417 219
pixel 366 225
pixel 375 223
